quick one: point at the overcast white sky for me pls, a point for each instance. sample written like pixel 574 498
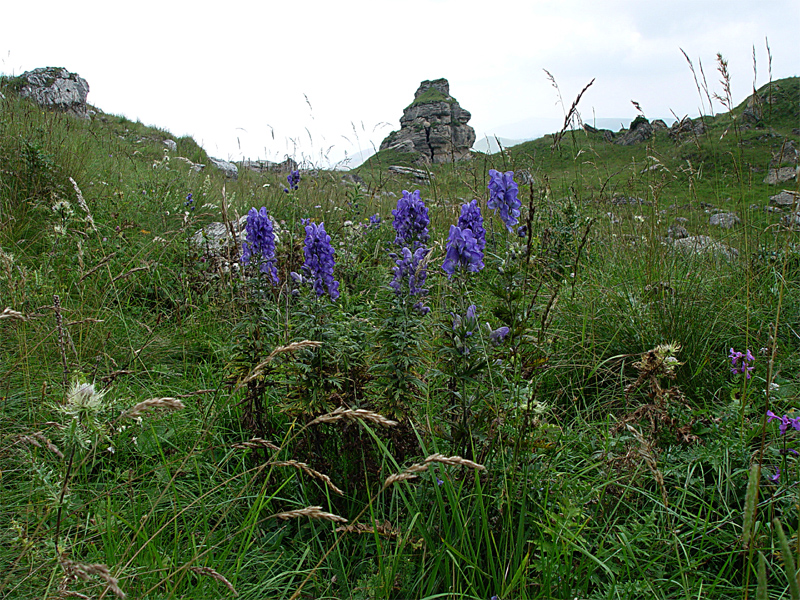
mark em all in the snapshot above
pixel 315 78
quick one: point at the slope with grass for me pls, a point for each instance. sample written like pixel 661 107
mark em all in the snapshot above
pixel 572 420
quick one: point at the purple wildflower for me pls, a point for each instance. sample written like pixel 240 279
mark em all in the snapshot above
pixel 294 179
pixel 189 202
pixel 319 261
pixel 499 334
pixel 375 221
pixel 471 219
pixel 411 220
pixel 463 250
pixel 746 359
pixel 777 475
pixel 785 421
pixel 503 197
pixel 260 243
pixel 410 266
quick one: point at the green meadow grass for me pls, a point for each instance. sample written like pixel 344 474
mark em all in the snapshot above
pixel 566 462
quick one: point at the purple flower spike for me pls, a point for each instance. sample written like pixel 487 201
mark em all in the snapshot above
pixel 260 243
pixel 410 267
pixel 463 250
pixel 745 366
pixel 471 219
pixel 294 179
pixel 411 220
pixel 319 261
pixel 503 197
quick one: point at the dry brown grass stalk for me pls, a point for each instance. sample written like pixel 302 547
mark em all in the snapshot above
pixel 76 570
pixel 209 572
pixel 358 414
pixel 253 443
pixel 9 313
pixel 153 404
pixel 384 529
pixel 308 471
pixel 312 512
pixel 37 437
pixel 454 460
pixel 129 273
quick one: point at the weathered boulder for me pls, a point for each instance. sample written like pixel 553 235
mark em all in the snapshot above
pixel 786 199
pixel 171 145
pixel 266 166
pixel 230 170
pixel 676 231
pixel 703 245
pixel 418 174
pixel 639 131
pixel 434 125
pixel 726 220
pixel 781 175
pixel 55 88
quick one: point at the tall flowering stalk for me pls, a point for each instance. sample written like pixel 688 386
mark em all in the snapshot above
pixel 472 219
pixel 463 251
pixel 410 269
pixel 260 242
pixel 319 261
pixel 293 179
pixel 503 199
pixel 411 220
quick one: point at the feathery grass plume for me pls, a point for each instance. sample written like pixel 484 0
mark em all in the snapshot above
pixel 750 501
pixel 259 368
pixel 153 404
pixel 82 204
pixel 255 443
pixel 73 569
pixel 308 471
pixel 454 460
pixel 384 529
pixel 312 512
pixel 788 560
pixel 9 313
pixel 358 414
pixel 209 572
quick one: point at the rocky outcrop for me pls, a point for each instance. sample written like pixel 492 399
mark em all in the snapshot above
pixel 55 88
pixel 266 166
pixel 686 127
pixel 230 170
pixel 639 131
pixel 434 126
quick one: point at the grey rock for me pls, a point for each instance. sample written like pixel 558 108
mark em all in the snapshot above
pixel 781 175
pixel 677 232
pixel 786 156
pixel 703 245
pixel 216 237
pixel 266 166
pixel 681 220
pixel 659 125
pixel 686 127
pixel 352 178
pixel 639 131
pixel 230 170
pixel 624 200
pixel 726 220
pixel 792 220
pixel 57 89
pixel 419 174
pixel 171 145
pixel 434 126
pixel 196 167
pixel 786 199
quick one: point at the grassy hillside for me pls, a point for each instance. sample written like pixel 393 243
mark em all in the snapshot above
pixel 175 424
